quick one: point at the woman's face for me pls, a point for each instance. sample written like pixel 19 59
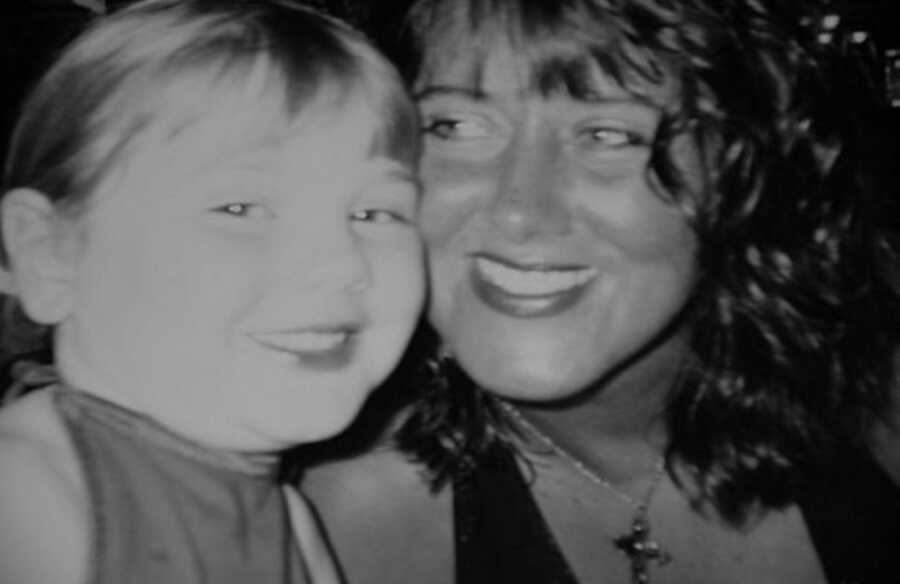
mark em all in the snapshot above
pixel 553 260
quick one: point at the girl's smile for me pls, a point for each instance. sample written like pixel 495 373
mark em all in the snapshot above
pixel 319 348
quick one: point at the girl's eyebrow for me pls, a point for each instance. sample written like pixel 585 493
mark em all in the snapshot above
pixel 383 170
pixel 392 168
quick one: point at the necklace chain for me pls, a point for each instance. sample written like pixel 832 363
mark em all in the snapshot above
pixel 637 543
pixel 583 469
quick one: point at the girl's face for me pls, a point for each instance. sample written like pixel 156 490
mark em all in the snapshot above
pixel 553 260
pixel 246 291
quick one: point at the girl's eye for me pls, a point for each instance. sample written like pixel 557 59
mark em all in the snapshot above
pixel 378 216
pixel 456 128
pixel 243 210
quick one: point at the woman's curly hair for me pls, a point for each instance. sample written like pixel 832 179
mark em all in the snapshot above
pixel 795 314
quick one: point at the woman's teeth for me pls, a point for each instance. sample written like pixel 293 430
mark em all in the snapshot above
pixel 303 341
pixel 532 282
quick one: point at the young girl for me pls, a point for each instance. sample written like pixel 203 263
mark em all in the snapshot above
pixel 209 209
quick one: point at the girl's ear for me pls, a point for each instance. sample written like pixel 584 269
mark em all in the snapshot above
pixel 42 267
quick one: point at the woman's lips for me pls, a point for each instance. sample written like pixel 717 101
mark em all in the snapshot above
pixel 528 291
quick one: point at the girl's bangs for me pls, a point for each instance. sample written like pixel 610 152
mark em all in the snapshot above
pixel 251 97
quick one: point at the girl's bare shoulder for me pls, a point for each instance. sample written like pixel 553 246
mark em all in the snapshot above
pixel 43 502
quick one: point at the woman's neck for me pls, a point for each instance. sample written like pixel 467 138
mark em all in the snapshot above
pixel 617 427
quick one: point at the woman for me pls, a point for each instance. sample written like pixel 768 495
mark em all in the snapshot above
pixel 657 258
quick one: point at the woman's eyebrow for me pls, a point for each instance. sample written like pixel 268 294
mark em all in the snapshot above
pixel 434 91
pixel 478 94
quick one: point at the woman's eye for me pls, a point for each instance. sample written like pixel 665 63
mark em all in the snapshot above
pixel 606 137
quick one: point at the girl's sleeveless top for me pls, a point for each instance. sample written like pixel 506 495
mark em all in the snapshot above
pixel 852 512
pixel 165 509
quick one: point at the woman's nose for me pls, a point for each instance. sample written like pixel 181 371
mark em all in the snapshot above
pixel 530 198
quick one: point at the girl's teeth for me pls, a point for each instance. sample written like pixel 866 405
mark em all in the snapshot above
pixel 532 282
pixel 303 342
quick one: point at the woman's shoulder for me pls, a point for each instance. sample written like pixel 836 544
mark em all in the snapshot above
pixel 885 437
pixel 885 444
pixel 369 465
pixel 382 518
pixel 381 486
pixel 43 503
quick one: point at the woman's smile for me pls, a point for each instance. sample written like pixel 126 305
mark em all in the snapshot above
pixel 528 291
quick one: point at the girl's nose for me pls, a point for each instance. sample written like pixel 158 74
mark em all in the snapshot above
pixel 530 199
pixel 336 263
pixel 342 268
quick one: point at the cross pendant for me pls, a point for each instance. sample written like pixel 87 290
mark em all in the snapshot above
pixel 640 549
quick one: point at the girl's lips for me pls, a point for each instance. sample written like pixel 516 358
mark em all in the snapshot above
pixel 316 348
pixel 528 291
pixel 303 341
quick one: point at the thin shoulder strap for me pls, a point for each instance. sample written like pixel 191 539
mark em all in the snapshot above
pixel 320 564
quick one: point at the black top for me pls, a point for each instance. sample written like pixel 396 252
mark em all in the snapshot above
pixel 852 513
pixel 500 533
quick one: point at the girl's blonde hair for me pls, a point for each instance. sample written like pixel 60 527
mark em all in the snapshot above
pixel 160 65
